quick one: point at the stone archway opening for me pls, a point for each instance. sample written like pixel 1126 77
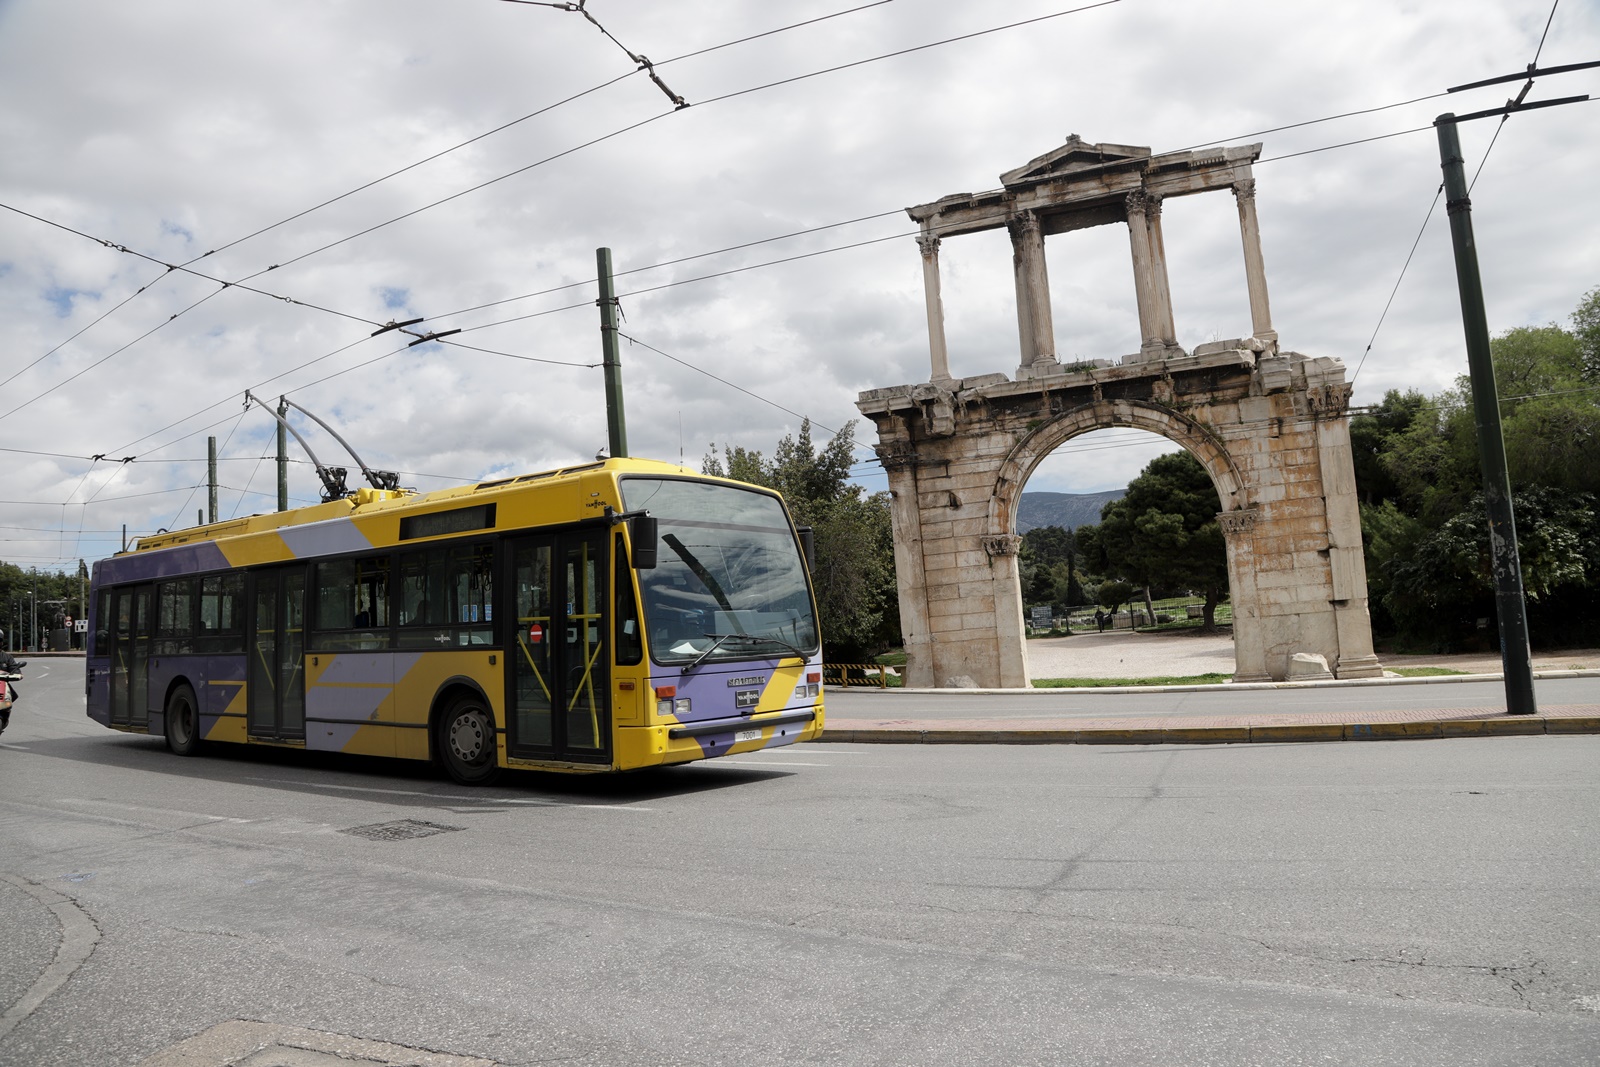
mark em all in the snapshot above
pixel 1270 426
pixel 1069 488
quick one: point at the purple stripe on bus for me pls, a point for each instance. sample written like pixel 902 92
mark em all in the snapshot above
pixel 161 563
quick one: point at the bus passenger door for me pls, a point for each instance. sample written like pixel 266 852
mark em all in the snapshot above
pixel 560 676
pixel 276 677
pixel 132 623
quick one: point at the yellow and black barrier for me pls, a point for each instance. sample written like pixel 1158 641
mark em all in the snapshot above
pixel 841 674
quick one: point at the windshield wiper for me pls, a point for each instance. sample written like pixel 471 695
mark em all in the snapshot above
pixel 755 639
pixel 715 644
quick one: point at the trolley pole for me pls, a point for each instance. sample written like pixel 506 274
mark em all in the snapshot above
pixel 283 456
pixel 616 422
pixel 211 479
pixel 1503 558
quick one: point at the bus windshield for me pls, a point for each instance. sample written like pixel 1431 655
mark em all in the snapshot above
pixel 730 583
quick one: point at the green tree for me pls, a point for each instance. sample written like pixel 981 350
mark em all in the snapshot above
pixel 1371 439
pixel 1048 568
pixel 1163 533
pixel 1418 473
pixel 1586 325
pixel 854 578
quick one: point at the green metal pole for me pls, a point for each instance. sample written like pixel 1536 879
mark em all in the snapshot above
pixel 283 456
pixel 1503 560
pixel 616 421
pixel 211 479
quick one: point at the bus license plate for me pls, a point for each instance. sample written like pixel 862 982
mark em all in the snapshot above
pixel 742 736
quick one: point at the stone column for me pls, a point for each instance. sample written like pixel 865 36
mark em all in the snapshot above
pixel 938 354
pixel 905 516
pixel 1347 563
pixel 1035 327
pixel 1255 268
pixel 1158 269
pixel 1249 645
pixel 1011 634
pixel 1144 280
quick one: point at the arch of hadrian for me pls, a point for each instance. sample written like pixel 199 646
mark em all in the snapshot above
pixel 1270 426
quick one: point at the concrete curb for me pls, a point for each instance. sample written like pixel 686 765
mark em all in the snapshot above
pixel 1222 735
pixel 1221 686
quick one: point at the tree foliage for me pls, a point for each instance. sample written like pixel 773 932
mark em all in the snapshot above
pixel 854 578
pixel 1163 533
pixel 1423 517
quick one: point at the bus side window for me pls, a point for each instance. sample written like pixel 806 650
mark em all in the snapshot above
pixel 447 591
pixel 221 613
pixel 102 625
pixel 629 644
pixel 352 596
pixel 175 617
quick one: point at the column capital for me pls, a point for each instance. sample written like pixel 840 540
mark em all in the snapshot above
pixel 1023 224
pixel 897 455
pixel 1152 206
pixel 1138 202
pixel 929 244
pixel 1234 523
pixel 1002 544
pixel 1245 188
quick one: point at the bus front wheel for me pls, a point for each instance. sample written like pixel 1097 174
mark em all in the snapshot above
pixel 466 742
pixel 183 722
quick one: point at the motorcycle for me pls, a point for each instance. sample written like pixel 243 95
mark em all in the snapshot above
pixel 8 693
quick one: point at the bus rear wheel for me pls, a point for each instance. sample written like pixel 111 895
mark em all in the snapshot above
pixel 466 743
pixel 183 722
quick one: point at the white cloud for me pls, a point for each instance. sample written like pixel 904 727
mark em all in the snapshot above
pixel 173 127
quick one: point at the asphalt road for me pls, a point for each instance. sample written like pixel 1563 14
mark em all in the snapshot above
pixel 869 703
pixel 1403 903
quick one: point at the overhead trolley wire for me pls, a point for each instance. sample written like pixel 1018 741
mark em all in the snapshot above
pixel 1433 205
pixel 664 114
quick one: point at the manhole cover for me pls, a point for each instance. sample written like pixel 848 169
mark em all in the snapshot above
pixel 401 830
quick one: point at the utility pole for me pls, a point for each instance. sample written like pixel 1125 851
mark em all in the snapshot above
pixel 211 478
pixel 1510 604
pixel 616 422
pixel 283 454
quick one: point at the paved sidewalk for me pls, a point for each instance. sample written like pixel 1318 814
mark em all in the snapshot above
pixel 1134 655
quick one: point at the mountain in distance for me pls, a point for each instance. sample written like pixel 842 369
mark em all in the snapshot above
pixel 1066 510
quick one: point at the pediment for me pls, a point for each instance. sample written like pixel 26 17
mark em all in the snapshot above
pixel 1074 156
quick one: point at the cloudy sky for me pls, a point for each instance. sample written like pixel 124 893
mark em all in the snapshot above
pixel 251 133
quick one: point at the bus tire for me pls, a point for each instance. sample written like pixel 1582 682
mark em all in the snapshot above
pixel 182 720
pixel 466 742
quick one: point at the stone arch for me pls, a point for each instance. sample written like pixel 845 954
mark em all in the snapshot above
pixel 1018 466
pixel 1271 427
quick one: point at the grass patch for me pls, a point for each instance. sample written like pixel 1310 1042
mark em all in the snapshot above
pixel 1102 683
pixel 891 659
pixel 1424 672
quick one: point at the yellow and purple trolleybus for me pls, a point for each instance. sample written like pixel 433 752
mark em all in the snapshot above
pixel 616 615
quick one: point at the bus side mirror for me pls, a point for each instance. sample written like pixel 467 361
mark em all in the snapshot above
pixel 642 532
pixel 808 545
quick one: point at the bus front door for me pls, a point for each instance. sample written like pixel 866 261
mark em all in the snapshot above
pixel 133 611
pixel 560 678
pixel 276 676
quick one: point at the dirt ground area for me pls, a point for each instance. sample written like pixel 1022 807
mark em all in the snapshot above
pixel 1123 654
